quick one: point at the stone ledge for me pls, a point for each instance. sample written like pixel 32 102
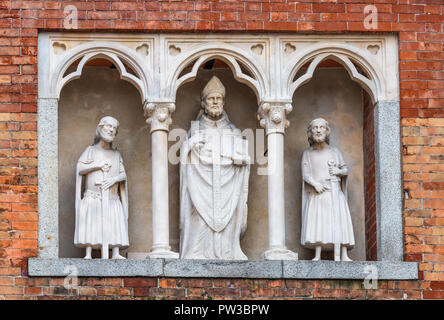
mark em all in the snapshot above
pixel 385 270
pixel 95 267
pixel 222 269
pixel 282 269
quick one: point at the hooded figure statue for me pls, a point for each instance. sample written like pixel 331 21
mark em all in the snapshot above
pixel 214 173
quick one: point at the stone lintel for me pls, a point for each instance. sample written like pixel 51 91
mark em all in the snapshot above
pixel 279 269
pixel 353 270
pixel 94 267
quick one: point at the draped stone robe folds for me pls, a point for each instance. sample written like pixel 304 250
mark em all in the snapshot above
pixel 326 216
pixel 89 231
pixel 213 211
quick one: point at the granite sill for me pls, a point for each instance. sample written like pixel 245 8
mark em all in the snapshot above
pixel 280 269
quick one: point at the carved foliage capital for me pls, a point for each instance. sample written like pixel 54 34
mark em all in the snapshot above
pixel 159 114
pixel 273 116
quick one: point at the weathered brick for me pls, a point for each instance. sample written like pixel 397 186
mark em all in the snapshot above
pixel 421 40
pixel 140 282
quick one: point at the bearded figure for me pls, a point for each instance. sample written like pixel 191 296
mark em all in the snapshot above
pixel 214 173
pixel 101 195
pixel 326 220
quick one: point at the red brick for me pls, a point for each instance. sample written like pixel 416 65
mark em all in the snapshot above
pixel 88 291
pixel 103 15
pixel 228 6
pixel 140 282
pixel 7 290
pixel 126 6
pixel 152 6
pixel 229 25
pixel 194 283
pixel 421 65
pixel 433 295
pixel 328 7
pixel 113 292
pixel 166 292
pixel 128 25
pixel 214 16
pixel 33 291
pixel 408 8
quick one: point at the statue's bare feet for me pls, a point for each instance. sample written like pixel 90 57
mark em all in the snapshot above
pixel 117 256
pixel 344 256
pixel 317 254
pixel 337 258
pixel 88 253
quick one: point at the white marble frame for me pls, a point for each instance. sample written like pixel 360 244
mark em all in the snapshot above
pixel 272 61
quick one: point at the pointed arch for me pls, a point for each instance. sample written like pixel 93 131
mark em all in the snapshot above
pixel 115 53
pixel 343 54
pixel 232 56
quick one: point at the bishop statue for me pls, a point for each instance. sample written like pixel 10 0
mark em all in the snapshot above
pixel 214 173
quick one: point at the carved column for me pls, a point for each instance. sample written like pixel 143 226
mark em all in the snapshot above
pixel 273 118
pixel 158 115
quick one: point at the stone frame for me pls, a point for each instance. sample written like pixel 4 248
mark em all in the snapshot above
pixel 262 56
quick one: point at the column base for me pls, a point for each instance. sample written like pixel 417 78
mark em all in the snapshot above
pixel 162 253
pixel 279 254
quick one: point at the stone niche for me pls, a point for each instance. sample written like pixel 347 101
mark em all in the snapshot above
pixel 332 95
pixel 141 78
pixel 100 91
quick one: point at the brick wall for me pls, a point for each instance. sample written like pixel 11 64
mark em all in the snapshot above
pixel 369 178
pixel 168 288
pixel 420 26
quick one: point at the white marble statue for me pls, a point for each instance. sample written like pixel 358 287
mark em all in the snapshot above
pixel 102 212
pixel 214 173
pixel 326 220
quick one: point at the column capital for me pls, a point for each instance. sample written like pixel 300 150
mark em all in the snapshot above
pixel 273 116
pixel 158 114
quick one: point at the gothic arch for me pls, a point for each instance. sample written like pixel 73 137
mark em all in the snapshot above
pixel 230 55
pixel 115 53
pixel 347 56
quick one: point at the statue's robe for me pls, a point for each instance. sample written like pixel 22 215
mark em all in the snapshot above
pixel 322 224
pixel 89 213
pixel 213 192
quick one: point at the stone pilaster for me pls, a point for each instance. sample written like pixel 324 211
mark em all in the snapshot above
pixel 47 135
